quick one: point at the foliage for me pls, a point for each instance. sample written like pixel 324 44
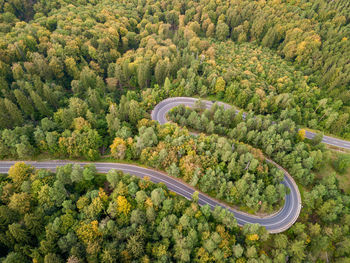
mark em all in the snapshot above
pixel 100 224
pixel 217 166
pixel 94 223
pixel 342 163
pixel 279 141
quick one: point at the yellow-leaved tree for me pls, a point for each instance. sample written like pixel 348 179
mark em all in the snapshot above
pixel 118 148
pixel 220 85
pixel 123 206
pixel 301 134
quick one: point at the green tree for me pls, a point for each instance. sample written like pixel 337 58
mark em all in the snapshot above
pixel 14 113
pixel 342 163
pixel 4 116
pixel 222 31
pixel 40 105
pixel 20 203
pixel 24 148
pixel 25 104
pixel 144 73
pixel 157 196
pixel 20 172
pixel 161 71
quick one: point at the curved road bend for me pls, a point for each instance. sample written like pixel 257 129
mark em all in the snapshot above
pixel 274 224
pixel 159 113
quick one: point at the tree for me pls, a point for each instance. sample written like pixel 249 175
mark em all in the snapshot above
pixel 14 113
pixel 89 172
pixel 34 223
pixel 342 163
pixel 297 250
pixel 137 217
pixel 76 174
pixel 147 138
pixel 210 30
pixel 123 205
pixel 220 85
pixel 195 196
pixel 88 232
pixel 40 105
pixel 20 203
pixel 135 246
pixel 317 139
pixel 271 195
pixel 85 142
pixel 173 170
pixel 157 196
pixel 24 148
pixel 113 121
pixel 15 257
pixel 135 112
pixel 25 104
pixel 144 73
pixel 118 148
pixel 172 17
pixel 280 241
pixel 238 251
pixel 161 71
pixel 222 31
pixel 301 134
pixel 20 172
pixel 52 258
pixel 330 210
pixel 4 116
pixel 58 193
pixel 113 177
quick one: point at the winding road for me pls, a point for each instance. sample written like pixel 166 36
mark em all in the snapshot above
pixel 160 111
pixel 275 223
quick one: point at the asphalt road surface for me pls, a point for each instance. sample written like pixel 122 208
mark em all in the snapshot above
pixel 330 140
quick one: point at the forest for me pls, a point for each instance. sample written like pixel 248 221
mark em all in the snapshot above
pixel 79 80
pixel 76 215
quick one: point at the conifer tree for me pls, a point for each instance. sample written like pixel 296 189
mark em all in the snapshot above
pixel 14 113
pixel 25 104
pixel 40 105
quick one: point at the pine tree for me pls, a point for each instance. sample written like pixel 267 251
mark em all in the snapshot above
pixel 222 31
pixel 40 104
pixel 25 104
pixel 14 113
pixel 50 96
pixel 161 71
pixel 143 74
pixel 4 116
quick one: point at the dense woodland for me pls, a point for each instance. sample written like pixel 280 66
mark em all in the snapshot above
pixel 78 80
pixel 76 215
pixel 280 140
pixel 227 170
